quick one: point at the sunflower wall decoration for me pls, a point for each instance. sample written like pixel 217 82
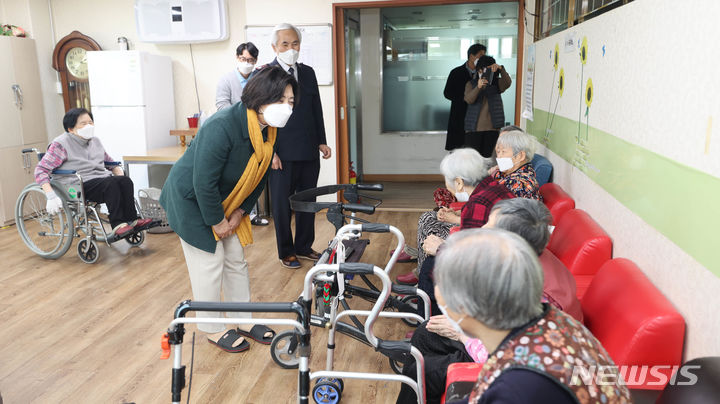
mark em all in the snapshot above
pixel 584 53
pixel 589 93
pixel 548 122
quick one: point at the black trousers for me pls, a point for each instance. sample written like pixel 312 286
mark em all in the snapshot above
pixel 117 193
pixel 295 176
pixel 426 283
pixel 483 142
pixel 439 353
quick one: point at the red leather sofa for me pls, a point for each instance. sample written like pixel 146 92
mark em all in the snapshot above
pixel 635 323
pixel 557 200
pixel 582 245
pixel 559 285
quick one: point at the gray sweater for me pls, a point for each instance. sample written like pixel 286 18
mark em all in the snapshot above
pixel 229 90
pixel 87 157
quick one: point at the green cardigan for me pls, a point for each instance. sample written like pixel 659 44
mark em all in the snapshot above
pixel 206 174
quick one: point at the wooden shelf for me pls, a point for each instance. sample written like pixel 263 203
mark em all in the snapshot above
pixel 182 133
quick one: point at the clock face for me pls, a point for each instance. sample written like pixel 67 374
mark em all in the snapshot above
pixel 76 62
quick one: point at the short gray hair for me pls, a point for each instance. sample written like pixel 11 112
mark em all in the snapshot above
pixel 508 128
pixel 467 164
pixel 283 27
pixel 491 275
pixel 518 141
pixel 527 218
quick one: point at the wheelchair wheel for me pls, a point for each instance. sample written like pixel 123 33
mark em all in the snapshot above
pixel 136 239
pixel 88 253
pixel 327 391
pixel 48 236
pixel 284 350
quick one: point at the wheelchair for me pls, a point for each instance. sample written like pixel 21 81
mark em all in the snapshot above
pixel 50 236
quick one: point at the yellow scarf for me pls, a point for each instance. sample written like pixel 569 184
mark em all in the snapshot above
pixel 254 172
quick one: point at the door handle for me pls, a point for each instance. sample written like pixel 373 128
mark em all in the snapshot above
pixel 18 96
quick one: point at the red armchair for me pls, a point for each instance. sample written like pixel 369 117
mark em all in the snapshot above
pixel 559 285
pixel 635 323
pixel 582 245
pixel 557 200
pixel 461 378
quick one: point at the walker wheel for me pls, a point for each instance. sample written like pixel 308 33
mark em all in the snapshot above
pixel 326 392
pixel 338 382
pixel 136 239
pixel 284 350
pixel 396 366
pixel 88 253
pixel 410 304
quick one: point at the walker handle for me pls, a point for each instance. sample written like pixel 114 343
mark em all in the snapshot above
pixel 356 268
pixel 375 228
pixel 358 207
pixel 370 187
pixel 404 289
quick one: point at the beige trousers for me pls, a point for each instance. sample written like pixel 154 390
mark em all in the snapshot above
pixel 225 271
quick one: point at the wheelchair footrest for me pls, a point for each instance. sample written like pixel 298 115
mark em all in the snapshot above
pixel 136 230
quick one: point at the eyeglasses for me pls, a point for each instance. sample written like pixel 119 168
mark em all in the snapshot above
pixel 248 60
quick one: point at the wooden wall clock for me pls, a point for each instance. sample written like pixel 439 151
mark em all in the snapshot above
pixel 70 60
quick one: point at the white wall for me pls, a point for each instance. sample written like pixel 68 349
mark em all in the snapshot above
pixel 639 99
pixel 105 20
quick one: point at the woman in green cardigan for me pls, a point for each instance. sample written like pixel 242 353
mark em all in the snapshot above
pixel 214 185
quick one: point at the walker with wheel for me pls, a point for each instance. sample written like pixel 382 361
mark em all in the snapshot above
pixel 328 388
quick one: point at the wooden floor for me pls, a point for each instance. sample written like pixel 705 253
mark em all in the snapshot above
pixel 79 333
pixel 407 196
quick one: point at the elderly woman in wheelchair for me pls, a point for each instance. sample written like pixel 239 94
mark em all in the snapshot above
pixel 81 171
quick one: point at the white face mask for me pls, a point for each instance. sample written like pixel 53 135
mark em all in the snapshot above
pixel 289 57
pixel 453 323
pixel 245 68
pixel 86 132
pixel 504 163
pixel 462 196
pixel 277 115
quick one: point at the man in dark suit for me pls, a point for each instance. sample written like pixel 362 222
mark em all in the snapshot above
pixel 296 164
pixel 455 92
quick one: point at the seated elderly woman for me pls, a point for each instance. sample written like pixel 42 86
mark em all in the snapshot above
pixel 429 223
pixel 515 149
pixel 103 182
pixel 466 176
pixel 438 341
pixel 488 283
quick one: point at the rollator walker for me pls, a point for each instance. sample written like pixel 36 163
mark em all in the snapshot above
pixel 329 386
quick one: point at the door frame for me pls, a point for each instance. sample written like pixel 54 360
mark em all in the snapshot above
pixel 342 133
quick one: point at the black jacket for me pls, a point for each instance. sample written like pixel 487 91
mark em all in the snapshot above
pixel 305 131
pixel 455 91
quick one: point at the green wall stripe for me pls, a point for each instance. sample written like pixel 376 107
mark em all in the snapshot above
pixel 675 199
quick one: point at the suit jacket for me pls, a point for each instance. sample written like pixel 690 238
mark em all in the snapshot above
pixel 305 131
pixel 455 92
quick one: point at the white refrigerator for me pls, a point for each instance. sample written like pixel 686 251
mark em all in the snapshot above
pixel 133 105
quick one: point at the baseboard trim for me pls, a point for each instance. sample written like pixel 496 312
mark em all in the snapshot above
pixel 368 178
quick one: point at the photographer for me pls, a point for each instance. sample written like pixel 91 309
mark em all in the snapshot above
pixel 485 115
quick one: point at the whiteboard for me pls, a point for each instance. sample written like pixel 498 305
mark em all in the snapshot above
pixel 315 47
